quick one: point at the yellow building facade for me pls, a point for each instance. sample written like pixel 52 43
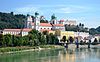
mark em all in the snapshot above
pixel 63 33
pixel 53 32
pixel 67 34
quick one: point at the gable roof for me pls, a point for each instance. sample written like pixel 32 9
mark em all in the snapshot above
pixel 18 30
pixel 44 24
pixel 12 30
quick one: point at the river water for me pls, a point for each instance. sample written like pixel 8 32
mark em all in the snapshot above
pixel 56 55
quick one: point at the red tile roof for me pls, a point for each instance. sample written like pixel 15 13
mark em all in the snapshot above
pixel 17 30
pixel 44 24
pixel 11 30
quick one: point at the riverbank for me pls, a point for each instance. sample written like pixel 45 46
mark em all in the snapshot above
pixel 73 46
pixel 27 48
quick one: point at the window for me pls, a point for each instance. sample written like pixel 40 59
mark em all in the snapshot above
pixel 53 22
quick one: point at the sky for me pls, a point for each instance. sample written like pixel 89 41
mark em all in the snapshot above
pixel 83 11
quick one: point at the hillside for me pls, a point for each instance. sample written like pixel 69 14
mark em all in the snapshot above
pixel 76 28
pixel 9 20
pixel 94 31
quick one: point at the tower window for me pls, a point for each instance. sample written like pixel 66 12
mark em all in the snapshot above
pixel 53 22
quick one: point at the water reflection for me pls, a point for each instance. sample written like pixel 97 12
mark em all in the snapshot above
pixel 58 55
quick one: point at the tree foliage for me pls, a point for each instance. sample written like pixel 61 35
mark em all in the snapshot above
pixel 76 28
pixel 9 20
pixel 71 39
pixel 94 31
pixel 34 38
pixel 7 40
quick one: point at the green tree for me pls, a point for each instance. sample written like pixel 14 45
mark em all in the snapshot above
pixel 71 39
pixel 9 20
pixel 80 24
pixel 57 32
pixel 95 41
pixel 99 40
pixel 45 32
pixel 7 40
pixel 53 17
pixel 17 41
pixel 42 39
pixel 34 37
pixel 64 39
pixel 52 39
pixel 48 39
pixel 1 39
pixel 25 40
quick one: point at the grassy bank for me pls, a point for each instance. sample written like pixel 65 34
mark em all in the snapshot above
pixel 27 48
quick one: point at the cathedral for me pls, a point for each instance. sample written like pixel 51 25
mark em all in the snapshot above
pixel 50 26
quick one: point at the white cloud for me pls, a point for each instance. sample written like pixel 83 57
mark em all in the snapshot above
pixel 72 9
pixel 26 10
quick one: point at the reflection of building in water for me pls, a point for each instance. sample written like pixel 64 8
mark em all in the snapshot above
pixel 73 55
pixel 68 56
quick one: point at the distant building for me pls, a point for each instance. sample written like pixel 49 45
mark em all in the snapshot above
pixel 67 34
pixel 81 35
pixel 61 22
pixel 51 27
pixel 74 35
pixel 70 22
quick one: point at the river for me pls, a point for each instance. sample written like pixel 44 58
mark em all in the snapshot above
pixel 55 55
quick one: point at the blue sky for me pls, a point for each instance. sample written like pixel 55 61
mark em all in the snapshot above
pixel 84 11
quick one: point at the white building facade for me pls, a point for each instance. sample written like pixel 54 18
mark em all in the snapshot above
pixel 22 32
pixel 53 25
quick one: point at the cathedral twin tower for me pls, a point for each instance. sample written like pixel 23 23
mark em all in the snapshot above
pixel 36 22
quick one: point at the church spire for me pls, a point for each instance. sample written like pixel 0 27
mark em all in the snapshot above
pixel 36 14
pixel 37 21
pixel 53 17
pixel 29 22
